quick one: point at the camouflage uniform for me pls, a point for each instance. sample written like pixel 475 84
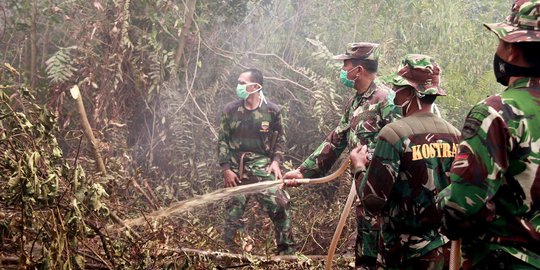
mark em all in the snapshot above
pixel 250 132
pixel 364 116
pixel 494 199
pixel 409 167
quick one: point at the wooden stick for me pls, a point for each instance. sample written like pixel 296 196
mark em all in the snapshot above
pixel 87 129
pixel 341 224
pixel 151 193
pixel 242 257
pixel 142 192
pixel 120 222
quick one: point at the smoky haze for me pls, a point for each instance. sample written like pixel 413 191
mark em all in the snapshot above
pixel 292 42
pixel 155 78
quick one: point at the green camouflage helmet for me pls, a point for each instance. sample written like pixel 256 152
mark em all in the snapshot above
pixel 421 72
pixel 360 51
pixel 523 25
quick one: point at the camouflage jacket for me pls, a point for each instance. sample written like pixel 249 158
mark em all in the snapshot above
pixel 365 115
pixel 494 199
pixel 243 130
pixel 409 167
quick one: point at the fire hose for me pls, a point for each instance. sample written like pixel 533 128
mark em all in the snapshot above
pixel 220 194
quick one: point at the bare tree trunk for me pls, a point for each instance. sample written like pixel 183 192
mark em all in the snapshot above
pixel 25 58
pixel 185 31
pixel 33 46
pixel 45 44
pixel 87 129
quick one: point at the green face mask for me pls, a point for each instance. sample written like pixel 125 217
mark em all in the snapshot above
pixel 346 81
pixel 241 91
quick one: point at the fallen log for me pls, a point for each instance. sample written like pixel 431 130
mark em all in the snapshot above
pixel 218 255
pixel 231 260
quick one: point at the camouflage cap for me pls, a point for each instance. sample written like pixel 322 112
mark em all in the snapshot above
pixel 523 25
pixel 421 72
pixel 361 51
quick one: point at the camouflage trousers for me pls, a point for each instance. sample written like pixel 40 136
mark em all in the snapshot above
pixel 366 240
pixel 273 201
pixel 279 214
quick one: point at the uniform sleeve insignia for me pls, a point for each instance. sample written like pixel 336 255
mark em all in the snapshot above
pixel 462 156
pixel 461 161
pixel 474 121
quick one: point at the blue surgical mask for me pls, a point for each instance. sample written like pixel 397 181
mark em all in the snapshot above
pixel 346 81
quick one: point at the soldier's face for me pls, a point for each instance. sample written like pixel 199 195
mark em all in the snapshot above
pixel 352 71
pixel 508 53
pixel 245 79
pixel 504 51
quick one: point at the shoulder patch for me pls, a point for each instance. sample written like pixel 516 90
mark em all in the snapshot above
pixel 474 120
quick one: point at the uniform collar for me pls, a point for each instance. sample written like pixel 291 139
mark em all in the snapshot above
pixel 526 82
pixel 370 91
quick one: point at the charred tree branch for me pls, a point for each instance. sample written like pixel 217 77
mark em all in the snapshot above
pixel 185 31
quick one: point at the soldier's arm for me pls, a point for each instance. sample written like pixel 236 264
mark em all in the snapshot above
pixel 322 159
pixel 387 110
pixel 385 114
pixel 224 152
pixel 279 145
pixel 475 174
pixel 378 180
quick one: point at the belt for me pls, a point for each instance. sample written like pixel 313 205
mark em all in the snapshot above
pixel 241 169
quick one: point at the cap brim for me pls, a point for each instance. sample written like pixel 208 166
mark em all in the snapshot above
pixel 440 92
pixel 401 81
pixel 342 57
pixel 513 34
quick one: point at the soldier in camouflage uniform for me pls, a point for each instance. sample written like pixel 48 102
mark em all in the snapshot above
pixel 251 143
pixel 368 111
pixel 493 202
pixel 409 167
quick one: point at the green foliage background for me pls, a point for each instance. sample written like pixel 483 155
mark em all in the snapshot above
pixel 157 119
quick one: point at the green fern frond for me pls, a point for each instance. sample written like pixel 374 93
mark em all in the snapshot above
pixel 60 66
